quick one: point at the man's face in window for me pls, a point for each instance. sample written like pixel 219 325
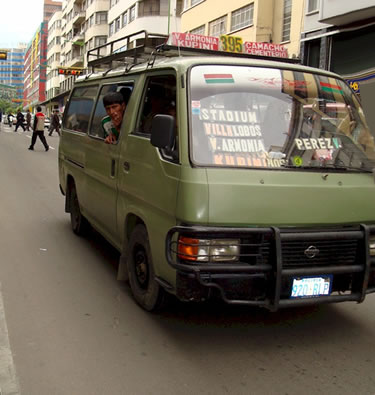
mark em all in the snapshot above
pixel 116 112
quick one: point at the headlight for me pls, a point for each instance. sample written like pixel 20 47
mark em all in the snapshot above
pixel 372 245
pixel 216 250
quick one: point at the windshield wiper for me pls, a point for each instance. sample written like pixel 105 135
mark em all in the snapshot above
pixel 328 167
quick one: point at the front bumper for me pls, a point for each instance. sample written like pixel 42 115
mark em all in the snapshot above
pixel 270 258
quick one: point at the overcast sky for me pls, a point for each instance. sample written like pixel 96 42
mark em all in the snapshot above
pixel 19 20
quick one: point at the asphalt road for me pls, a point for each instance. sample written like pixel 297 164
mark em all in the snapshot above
pixel 67 326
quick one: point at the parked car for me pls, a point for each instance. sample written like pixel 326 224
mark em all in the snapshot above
pixel 47 123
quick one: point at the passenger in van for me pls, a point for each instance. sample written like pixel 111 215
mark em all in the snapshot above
pixel 156 104
pixel 114 105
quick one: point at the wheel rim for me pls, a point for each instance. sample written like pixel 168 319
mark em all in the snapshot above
pixel 141 267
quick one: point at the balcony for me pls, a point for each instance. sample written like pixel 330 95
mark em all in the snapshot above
pixel 77 60
pixel 78 39
pixel 343 12
pixel 79 17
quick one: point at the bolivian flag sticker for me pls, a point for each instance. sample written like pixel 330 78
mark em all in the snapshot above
pixel 218 78
pixel 332 88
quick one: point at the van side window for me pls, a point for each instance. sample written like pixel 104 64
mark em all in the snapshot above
pixel 159 98
pixel 96 129
pixel 77 115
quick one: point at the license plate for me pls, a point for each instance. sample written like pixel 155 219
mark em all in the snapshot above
pixel 305 287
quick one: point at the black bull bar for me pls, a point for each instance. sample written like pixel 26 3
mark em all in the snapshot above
pixel 275 270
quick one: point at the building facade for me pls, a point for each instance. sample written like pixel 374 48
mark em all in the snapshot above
pixel 86 24
pixel 35 69
pixel 35 63
pixel 12 71
pixel 265 21
pixel 49 8
pixel 126 17
pixel 54 62
pixel 338 35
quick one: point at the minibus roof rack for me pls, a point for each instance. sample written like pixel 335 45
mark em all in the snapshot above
pixel 144 47
pixel 130 50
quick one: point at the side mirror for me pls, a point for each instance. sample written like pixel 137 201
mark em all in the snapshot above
pixel 162 131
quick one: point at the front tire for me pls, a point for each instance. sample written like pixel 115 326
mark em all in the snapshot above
pixel 80 225
pixel 146 291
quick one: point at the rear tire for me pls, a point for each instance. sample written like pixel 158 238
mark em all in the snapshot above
pixel 80 225
pixel 146 291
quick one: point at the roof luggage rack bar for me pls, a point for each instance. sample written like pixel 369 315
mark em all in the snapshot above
pixel 142 47
pixel 128 50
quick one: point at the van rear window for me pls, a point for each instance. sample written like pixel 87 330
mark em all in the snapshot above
pixel 270 118
pixel 77 115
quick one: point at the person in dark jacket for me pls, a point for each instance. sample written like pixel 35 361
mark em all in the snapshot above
pixel 55 124
pixel 38 129
pixel 20 120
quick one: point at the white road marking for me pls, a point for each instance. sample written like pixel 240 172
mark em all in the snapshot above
pixel 10 130
pixel 8 379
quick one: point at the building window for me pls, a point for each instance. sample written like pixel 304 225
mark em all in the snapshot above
pixel 148 8
pixel 178 7
pixel 287 19
pixel 101 18
pixel 111 28
pixel 218 26
pixel 132 14
pixel 312 5
pixel 199 30
pixel 100 40
pixel 194 2
pixel 186 4
pixel 117 24
pixel 124 19
pixel 242 17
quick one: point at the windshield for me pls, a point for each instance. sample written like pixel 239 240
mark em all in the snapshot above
pixel 269 118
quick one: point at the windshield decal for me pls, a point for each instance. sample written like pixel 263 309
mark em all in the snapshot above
pixel 196 107
pixel 330 87
pixel 213 114
pixel 317 143
pixel 225 130
pixel 297 161
pixel 258 117
pixel 218 78
pixel 260 159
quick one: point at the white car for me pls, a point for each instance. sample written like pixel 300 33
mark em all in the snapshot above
pixel 47 123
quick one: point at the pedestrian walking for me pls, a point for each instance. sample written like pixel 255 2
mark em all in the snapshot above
pixel 20 120
pixel 10 119
pixel 38 129
pixel 55 124
pixel 28 120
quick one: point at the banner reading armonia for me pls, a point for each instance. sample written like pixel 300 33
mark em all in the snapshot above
pixel 195 41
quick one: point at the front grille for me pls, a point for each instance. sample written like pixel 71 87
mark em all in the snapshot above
pixel 328 252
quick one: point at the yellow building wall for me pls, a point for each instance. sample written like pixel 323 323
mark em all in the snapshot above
pixel 268 19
